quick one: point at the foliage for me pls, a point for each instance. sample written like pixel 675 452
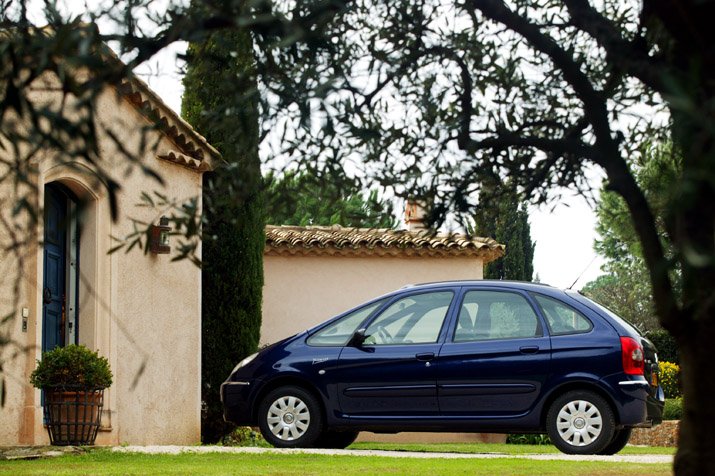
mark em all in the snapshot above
pixel 220 83
pixel 503 217
pixel 528 439
pixel 665 345
pixel 308 199
pixel 245 436
pixel 625 288
pixel 673 409
pixel 669 375
pixel 657 169
pixel 626 293
pixel 72 366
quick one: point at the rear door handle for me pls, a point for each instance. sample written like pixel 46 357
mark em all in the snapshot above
pixel 529 349
pixel 426 357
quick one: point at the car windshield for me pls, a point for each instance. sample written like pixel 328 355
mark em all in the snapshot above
pixel 600 307
pixel 339 332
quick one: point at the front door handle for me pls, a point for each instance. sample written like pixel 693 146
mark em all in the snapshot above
pixel 426 357
pixel 529 349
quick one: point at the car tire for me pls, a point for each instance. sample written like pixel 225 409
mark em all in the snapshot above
pixel 620 440
pixel 290 417
pixel 336 440
pixel 580 422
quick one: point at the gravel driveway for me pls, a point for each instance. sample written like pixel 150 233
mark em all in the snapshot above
pixel 390 454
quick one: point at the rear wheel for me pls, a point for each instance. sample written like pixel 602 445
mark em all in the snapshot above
pixel 337 440
pixel 290 417
pixel 580 422
pixel 620 439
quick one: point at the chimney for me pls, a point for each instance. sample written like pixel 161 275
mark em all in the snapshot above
pixel 414 216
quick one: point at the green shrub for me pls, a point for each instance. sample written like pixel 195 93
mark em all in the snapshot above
pixel 528 439
pixel 673 409
pixel 670 379
pixel 245 436
pixel 665 345
pixel 73 366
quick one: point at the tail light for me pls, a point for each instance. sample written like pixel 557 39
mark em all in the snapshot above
pixel 632 354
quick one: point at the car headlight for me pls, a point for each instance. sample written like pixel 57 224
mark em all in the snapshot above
pixel 244 362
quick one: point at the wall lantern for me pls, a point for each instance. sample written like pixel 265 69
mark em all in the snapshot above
pixel 159 243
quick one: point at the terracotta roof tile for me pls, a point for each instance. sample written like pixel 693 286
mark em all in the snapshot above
pixel 193 151
pixel 337 240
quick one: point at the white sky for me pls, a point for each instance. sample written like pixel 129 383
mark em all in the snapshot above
pixel 563 231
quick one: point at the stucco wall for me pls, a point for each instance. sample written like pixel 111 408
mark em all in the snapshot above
pixel 142 311
pixel 301 291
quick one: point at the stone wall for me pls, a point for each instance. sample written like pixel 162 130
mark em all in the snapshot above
pixel 665 434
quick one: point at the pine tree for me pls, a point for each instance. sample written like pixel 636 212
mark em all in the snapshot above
pixel 306 199
pixel 220 82
pixel 502 217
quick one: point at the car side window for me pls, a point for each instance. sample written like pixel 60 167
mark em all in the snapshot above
pixel 561 318
pixel 339 332
pixel 415 319
pixel 491 315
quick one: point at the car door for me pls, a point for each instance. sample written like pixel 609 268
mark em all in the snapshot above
pixel 392 373
pixel 496 357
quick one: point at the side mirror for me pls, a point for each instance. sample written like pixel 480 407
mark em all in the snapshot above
pixel 357 339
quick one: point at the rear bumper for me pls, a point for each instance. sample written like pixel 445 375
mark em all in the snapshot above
pixel 655 404
pixel 235 398
pixel 645 399
pixel 637 401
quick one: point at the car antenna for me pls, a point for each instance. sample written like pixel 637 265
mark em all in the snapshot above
pixel 583 272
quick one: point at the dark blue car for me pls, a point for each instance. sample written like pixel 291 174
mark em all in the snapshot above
pixel 467 356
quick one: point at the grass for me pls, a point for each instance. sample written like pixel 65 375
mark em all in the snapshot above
pixel 496 448
pixel 103 462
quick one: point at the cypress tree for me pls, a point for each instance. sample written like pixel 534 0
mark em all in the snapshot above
pixel 221 102
pixel 503 217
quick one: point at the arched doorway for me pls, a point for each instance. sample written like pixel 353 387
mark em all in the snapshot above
pixel 60 268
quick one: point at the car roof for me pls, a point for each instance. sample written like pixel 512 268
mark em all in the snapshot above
pixel 523 285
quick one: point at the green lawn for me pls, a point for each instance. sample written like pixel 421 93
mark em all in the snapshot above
pixel 496 448
pixel 102 462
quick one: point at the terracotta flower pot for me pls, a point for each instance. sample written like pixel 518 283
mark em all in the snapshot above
pixel 73 416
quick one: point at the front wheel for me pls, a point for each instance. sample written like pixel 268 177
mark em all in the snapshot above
pixel 580 422
pixel 290 417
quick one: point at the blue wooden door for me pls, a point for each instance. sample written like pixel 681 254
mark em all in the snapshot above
pixel 55 268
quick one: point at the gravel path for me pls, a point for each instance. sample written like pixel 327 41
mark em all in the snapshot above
pixel 390 454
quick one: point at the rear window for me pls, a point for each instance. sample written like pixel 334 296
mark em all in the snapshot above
pixel 561 318
pixel 599 307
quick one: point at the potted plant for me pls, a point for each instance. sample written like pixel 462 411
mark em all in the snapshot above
pixel 73 379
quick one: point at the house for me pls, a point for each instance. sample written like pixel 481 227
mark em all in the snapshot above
pixel 313 273
pixel 140 310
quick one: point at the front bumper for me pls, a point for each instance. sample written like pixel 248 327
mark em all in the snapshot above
pixel 235 398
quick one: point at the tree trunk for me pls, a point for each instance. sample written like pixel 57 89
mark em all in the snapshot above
pixel 696 449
